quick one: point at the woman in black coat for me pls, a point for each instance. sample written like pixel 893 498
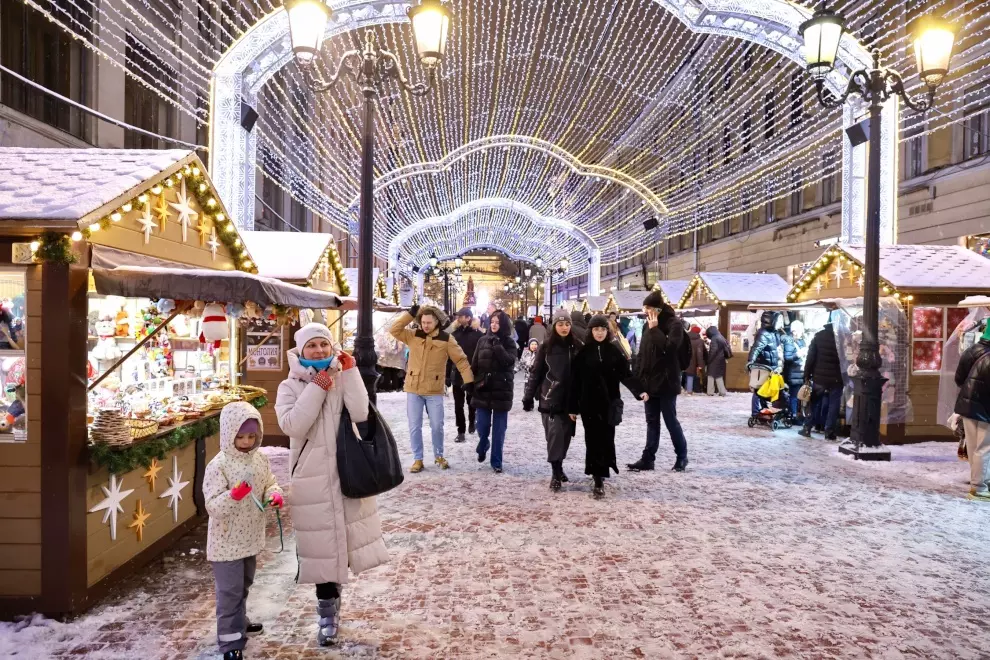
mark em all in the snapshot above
pixel 598 369
pixel 550 379
pixel 973 405
pixel 718 352
pixel 764 354
pixel 493 366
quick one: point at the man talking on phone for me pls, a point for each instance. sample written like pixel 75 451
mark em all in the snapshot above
pixel 664 352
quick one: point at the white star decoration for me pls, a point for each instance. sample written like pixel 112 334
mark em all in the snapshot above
pixel 861 281
pixel 147 224
pixel 111 504
pixel 213 243
pixel 838 272
pixel 187 215
pixel 174 492
pixel 818 285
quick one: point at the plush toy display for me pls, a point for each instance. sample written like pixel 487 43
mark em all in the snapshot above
pixel 214 328
pixel 122 323
pixel 106 348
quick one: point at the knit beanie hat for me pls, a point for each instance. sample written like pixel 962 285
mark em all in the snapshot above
pixel 561 315
pixel 598 321
pixel 312 331
pixel 695 328
pixel 655 300
pixel 466 311
pixel 249 426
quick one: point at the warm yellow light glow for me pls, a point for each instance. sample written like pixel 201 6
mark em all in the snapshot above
pixel 115 216
pixel 94 227
pixel 822 34
pixel 248 264
pixel 237 242
pixel 143 198
pixel 35 245
pixel 211 202
pixel 431 25
pixel 157 189
pixel 126 208
pixel 76 236
pixel 933 49
pixel 307 23
pixel 220 217
pixel 202 187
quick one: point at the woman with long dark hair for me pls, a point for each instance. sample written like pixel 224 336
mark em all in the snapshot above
pixel 550 378
pixel 493 367
pixel 598 369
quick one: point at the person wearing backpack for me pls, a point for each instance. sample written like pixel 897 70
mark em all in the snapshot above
pixel 664 353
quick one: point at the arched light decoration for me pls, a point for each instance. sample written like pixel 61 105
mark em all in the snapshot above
pixel 822 34
pixel 307 25
pixel 431 25
pixel 934 40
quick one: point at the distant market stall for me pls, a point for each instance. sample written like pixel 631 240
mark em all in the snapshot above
pixel 921 287
pixel 672 290
pixel 723 300
pixel 108 254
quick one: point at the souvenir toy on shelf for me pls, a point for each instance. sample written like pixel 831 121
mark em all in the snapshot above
pixel 106 348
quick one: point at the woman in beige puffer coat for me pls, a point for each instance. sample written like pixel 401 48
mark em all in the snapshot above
pixel 333 532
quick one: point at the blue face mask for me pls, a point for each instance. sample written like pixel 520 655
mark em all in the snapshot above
pixel 319 365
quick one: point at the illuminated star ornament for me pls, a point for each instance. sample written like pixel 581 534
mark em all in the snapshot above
pixel 187 214
pixel 140 520
pixel 204 230
pixel 213 243
pixel 838 272
pixel 818 285
pixel 111 503
pixel 152 474
pixel 852 276
pixel 162 211
pixel 861 282
pixel 147 224
pixel 174 492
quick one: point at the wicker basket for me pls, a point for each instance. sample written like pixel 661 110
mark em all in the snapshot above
pixel 109 428
pixel 141 428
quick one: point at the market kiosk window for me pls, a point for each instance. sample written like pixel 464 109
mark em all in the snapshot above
pixel 13 356
pixel 176 366
pixel 931 327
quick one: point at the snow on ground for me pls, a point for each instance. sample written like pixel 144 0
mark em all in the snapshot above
pixel 771 545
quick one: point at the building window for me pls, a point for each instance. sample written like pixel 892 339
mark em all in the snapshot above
pixel 39 50
pixel 797 192
pixel 710 164
pixel 726 145
pixel 931 326
pixel 797 99
pixel 13 356
pixel 769 116
pixel 830 182
pixel 143 106
pixel 976 124
pixel 769 211
pixel 748 58
pixel 915 139
pixel 747 134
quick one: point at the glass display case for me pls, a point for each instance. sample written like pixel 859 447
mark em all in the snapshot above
pixel 13 356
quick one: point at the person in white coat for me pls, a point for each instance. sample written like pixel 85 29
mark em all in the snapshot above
pixel 333 532
pixel 237 485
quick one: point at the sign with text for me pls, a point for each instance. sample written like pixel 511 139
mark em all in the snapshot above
pixel 264 349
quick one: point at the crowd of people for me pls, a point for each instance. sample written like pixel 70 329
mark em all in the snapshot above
pixel 573 370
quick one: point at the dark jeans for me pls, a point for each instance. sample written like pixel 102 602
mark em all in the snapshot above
pixel 460 396
pixel 492 422
pixel 664 406
pixel 829 406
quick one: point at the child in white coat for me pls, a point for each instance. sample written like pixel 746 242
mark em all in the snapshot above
pixel 237 485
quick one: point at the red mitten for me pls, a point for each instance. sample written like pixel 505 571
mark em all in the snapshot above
pixel 276 500
pixel 324 380
pixel 240 491
pixel 346 361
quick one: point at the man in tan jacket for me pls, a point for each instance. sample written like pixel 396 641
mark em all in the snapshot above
pixel 429 349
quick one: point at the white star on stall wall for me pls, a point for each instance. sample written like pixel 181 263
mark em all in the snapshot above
pixel 187 214
pixel 861 282
pixel 213 243
pixel 818 285
pixel 147 224
pixel 111 504
pixel 174 492
pixel 838 272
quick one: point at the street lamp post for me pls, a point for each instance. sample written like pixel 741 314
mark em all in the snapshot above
pixel 447 271
pixel 933 50
pixel 369 67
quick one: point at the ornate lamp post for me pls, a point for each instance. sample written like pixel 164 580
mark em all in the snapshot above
pixel 369 67
pixel 560 270
pixel 934 39
pixel 446 271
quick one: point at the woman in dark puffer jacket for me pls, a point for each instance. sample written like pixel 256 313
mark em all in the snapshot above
pixel 973 405
pixel 494 369
pixel 550 378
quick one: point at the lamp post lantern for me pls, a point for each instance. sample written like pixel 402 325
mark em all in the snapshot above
pixel 370 67
pixel 934 39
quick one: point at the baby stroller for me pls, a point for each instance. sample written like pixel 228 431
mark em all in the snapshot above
pixel 776 411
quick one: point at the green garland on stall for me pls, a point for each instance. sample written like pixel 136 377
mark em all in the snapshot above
pixel 55 248
pixel 140 454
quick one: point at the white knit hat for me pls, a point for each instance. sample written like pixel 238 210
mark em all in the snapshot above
pixel 312 331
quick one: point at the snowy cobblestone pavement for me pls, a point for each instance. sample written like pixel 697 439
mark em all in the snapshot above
pixel 770 545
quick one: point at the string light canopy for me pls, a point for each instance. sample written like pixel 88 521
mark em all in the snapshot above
pixel 625 85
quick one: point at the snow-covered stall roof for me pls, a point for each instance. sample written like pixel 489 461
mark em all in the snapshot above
pixel 928 267
pixel 284 255
pixel 744 287
pixel 629 301
pixel 673 290
pixel 596 303
pixel 71 184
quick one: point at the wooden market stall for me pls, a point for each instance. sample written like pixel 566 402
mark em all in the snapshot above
pixel 627 302
pixel 672 290
pixel 924 285
pixel 79 515
pixel 597 305
pixel 723 300
pixel 303 258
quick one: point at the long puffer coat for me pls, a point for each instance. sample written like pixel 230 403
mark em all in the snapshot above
pixel 823 366
pixel 660 355
pixel 551 374
pixel 697 353
pixel 766 345
pixel 467 338
pixel 237 528
pixel 793 364
pixel 493 368
pixel 973 379
pixel 598 369
pixel 332 531
pixel 718 352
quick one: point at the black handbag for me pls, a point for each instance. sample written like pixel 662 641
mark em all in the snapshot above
pixel 368 464
pixel 615 412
